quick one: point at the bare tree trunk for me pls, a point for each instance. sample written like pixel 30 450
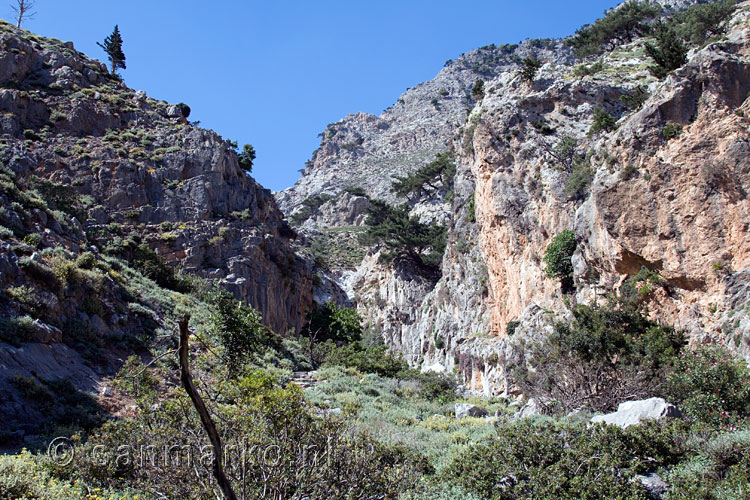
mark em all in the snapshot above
pixel 23 9
pixel 208 424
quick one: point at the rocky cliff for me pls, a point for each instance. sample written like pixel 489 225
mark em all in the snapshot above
pixel 107 196
pixel 659 200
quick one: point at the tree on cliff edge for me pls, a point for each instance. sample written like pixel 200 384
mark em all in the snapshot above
pixel 113 47
pixel 23 9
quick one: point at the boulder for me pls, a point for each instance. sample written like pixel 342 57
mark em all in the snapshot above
pixel 654 484
pixel 469 410
pixel 530 409
pixel 632 412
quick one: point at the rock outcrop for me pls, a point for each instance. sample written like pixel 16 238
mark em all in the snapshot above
pixel 632 412
pixel 663 195
pixel 106 196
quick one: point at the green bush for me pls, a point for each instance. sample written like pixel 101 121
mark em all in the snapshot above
pixel 15 331
pixel 477 91
pixel 246 158
pixel 618 26
pixel 33 239
pixel 603 121
pixel 529 68
pixel 711 386
pixel 550 461
pixel 331 322
pixel 511 327
pixel 309 208
pixel 306 456
pixel 557 258
pixel 636 98
pixel 580 178
pixel 583 70
pixel 363 359
pixel 471 215
pixel 669 52
pixel 606 355
pixel 239 329
pixel 86 260
pixel 701 22
pixel 30 476
pixel 671 130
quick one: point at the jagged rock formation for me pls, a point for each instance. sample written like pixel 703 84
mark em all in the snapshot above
pixel 91 168
pixel 674 206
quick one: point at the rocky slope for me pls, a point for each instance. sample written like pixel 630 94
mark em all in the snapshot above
pixel 674 209
pixel 103 188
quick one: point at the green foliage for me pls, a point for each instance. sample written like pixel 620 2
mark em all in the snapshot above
pixel 477 91
pixel 668 54
pixel 63 197
pixel 33 239
pixel 671 130
pixel 583 70
pixel 471 215
pixel 30 476
pixel 113 47
pixel 565 153
pixel 618 26
pixel 719 470
pixel 150 264
pixel 580 178
pixel 511 327
pixel 269 432
pixel 310 207
pixel 86 260
pixel 404 237
pixel 436 175
pixel 550 460
pixel 375 359
pixel 529 68
pixel 557 258
pixel 239 328
pixel 15 331
pixel 543 127
pixel 607 354
pixel 635 99
pixel 246 158
pixel 603 121
pixel 701 22
pixel 331 322
pixel 711 386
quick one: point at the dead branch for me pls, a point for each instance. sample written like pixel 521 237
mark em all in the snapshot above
pixel 200 407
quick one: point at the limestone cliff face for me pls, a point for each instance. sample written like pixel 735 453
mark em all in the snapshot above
pixel 677 207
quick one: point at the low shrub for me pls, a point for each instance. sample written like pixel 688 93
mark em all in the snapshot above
pixel 711 386
pixel 603 121
pixel 552 460
pixel 606 355
pixel 671 130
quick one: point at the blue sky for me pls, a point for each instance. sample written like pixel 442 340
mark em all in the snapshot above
pixel 275 73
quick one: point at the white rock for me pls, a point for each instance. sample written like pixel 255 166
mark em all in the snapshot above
pixel 469 410
pixel 632 412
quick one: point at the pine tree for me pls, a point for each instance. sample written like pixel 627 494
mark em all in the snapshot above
pixel 113 47
pixel 246 158
pixel 531 66
pixel 668 54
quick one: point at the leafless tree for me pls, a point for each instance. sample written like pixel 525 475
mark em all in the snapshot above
pixel 23 9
